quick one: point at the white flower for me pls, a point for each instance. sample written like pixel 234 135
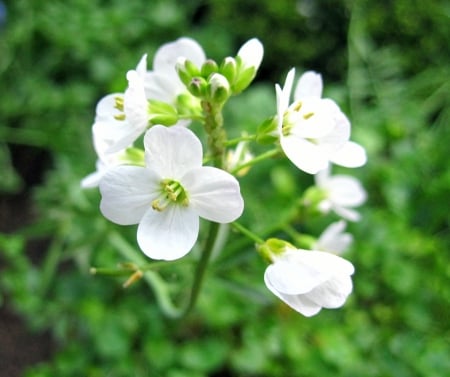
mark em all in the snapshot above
pixel 313 131
pixel 122 118
pixel 343 192
pixel 309 280
pixel 333 239
pixel 168 196
pixel 163 83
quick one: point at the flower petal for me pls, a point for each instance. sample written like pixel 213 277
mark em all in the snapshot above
pixel 350 155
pixel 168 54
pixel 333 239
pixel 300 303
pixel 127 192
pixel 333 293
pixel 309 85
pixel 292 278
pixel 162 87
pixel 214 193
pixel 172 151
pixel 347 213
pixel 115 134
pixel 345 190
pixel 141 68
pixel 251 53
pixel 304 154
pixel 169 234
pixel 106 108
pixel 135 102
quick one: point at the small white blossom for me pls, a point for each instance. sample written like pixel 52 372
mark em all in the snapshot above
pixel 168 195
pixel 308 281
pixel 314 131
pixel 333 239
pixel 342 194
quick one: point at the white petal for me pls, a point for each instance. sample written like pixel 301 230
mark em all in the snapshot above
pixel 340 134
pixel 333 239
pixel 333 293
pixel 127 193
pixel 287 88
pixel 328 264
pixel 292 278
pixel 115 134
pixel 162 87
pixel 251 53
pixel 168 54
pixel 346 191
pixel 92 180
pixel 351 155
pixel 304 154
pixel 301 304
pixel 347 213
pixel 314 120
pixel 169 234
pixel 309 85
pixel 141 68
pixel 172 151
pixel 106 108
pixel 214 193
pixel 135 102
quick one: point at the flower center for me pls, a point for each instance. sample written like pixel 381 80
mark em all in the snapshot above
pixel 171 192
pixel 294 114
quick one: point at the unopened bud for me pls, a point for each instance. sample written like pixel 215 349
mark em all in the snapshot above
pixel 228 68
pixel 186 70
pixel 197 87
pixel 209 67
pixel 219 88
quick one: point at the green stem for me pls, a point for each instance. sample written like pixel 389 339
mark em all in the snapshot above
pixel 261 157
pixel 201 267
pixel 248 233
pixel 216 133
pixel 232 142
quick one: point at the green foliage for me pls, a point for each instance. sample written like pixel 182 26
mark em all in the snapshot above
pixel 58 58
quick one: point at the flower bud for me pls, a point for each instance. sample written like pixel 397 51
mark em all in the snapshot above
pixel 197 86
pixel 186 70
pixel 219 88
pixel 228 68
pixel 209 67
pixel 248 61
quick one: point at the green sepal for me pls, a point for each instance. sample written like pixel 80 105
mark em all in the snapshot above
pixel 209 67
pixel 273 247
pixel 133 156
pixel 228 68
pixel 267 131
pixel 162 113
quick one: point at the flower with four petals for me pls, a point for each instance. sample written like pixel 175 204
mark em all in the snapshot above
pixel 168 195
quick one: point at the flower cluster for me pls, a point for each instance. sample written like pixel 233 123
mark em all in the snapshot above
pixel 152 170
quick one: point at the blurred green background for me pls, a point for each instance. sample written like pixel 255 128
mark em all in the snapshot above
pixel 386 63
